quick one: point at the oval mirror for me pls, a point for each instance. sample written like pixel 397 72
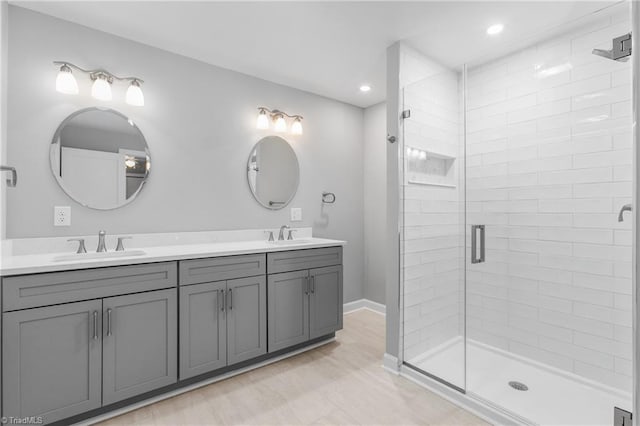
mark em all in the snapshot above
pixel 100 158
pixel 273 172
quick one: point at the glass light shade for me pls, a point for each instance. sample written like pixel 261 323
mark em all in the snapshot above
pixel 281 124
pixel 134 94
pixel 65 81
pixel 262 122
pixel 101 89
pixel 296 127
pixel 423 155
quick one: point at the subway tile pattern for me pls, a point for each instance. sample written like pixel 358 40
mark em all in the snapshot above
pixel 433 233
pixel 549 166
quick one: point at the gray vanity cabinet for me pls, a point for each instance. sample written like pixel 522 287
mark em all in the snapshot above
pixel 52 361
pixel 246 318
pixel 203 328
pixel 140 340
pixel 325 300
pixel 223 312
pixel 305 302
pixel 288 298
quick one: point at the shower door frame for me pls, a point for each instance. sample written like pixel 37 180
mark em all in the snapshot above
pixel 635 74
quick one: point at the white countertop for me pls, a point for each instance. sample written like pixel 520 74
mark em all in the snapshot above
pixel 19 264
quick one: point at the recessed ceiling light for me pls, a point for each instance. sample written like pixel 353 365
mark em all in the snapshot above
pixel 365 88
pixel 495 29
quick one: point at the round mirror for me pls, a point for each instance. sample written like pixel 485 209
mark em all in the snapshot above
pixel 100 158
pixel 273 172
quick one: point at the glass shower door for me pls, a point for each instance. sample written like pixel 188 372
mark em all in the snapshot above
pixel 548 169
pixel 433 227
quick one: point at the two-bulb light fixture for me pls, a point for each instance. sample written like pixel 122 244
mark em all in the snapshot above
pixel 265 116
pixel 102 81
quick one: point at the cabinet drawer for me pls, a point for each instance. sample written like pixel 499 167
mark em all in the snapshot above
pixel 221 268
pixel 297 260
pixel 29 291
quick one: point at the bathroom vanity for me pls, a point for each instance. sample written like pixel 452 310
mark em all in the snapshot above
pixel 85 337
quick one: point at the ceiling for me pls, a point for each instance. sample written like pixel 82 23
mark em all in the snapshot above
pixel 329 48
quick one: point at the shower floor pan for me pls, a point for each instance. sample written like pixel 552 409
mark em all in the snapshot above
pixel 553 397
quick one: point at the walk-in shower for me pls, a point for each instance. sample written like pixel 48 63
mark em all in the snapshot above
pixel 516 274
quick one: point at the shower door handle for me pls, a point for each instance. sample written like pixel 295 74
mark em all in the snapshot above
pixel 474 243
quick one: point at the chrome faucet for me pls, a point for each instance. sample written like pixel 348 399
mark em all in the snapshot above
pixel 281 234
pixel 101 245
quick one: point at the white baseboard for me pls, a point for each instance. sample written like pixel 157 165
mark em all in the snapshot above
pixel 390 363
pixel 356 305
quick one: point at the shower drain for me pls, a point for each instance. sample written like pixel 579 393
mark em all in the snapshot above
pixel 519 386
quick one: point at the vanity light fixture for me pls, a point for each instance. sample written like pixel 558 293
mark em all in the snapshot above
pixel 279 121
pixel 296 127
pixel 101 88
pixel 134 94
pixel 65 81
pixel 102 83
pixel 262 123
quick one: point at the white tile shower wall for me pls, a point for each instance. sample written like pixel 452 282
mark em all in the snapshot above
pixel 432 246
pixel 549 166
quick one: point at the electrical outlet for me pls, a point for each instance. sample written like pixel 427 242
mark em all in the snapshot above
pixel 62 216
pixel 296 214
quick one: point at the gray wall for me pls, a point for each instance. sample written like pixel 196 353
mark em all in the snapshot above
pixel 199 121
pixel 375 200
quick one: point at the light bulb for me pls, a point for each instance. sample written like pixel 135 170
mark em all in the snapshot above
pixel 296 127
pixel 281 124
pixel 423 155
pixel 262 122
pixel 101 89
pixel 65 81
pixel 134 95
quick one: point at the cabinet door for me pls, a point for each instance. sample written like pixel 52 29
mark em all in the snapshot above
pixel 203 328
pixel 288 298
pixel 52 361
pixel 325 300
pixel 139 344
pixel 246 318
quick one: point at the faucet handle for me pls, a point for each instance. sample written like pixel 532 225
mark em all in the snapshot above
pixel 270 235
pixel 81 247
pixel 120 246
pixel 291 231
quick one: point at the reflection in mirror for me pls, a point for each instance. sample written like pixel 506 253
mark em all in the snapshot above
pixel 100 158
pixel 273 172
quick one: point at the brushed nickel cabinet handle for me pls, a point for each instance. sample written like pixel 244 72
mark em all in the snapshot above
pixel 313 284
pixel 230 291
pixel 109 322
pixel 95 325
pixel 221 300
pixel 306 285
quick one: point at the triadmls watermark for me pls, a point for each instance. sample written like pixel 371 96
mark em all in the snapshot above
pixel 28 420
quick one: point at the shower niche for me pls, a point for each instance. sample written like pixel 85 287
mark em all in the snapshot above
pixel 430 168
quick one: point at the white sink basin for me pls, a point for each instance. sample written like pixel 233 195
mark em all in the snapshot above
pixel 94 256
pixel 289 242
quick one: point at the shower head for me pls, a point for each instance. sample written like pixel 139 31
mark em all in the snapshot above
pixel 608 54
pixel 620 51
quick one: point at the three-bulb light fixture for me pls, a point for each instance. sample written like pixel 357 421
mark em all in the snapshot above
pixel 102 81
pixel 265 115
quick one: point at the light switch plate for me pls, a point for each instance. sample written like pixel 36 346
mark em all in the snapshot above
pixel 62 216
pixel 296 214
